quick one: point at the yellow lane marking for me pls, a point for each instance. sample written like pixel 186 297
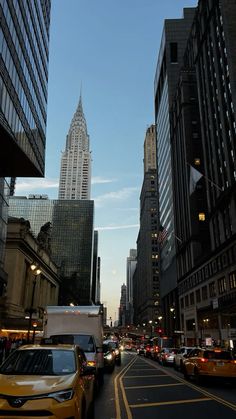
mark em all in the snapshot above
pixel 146 376
pixel 203 399
pixel 199 389
pixel 156 385
pixel 117 404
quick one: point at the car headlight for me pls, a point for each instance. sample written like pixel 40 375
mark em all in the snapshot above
pixel 117 351
pixel 109 357
pixel 62 396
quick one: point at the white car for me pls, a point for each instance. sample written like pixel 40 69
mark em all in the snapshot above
pixel 181 355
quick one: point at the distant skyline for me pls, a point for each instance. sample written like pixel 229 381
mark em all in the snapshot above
pixel 111 49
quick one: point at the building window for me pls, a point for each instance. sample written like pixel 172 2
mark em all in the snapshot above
pixel 186 301
pixel 192 298
pixel 182 303
pixel 222 285
pixel 232 280
pixel 198 296
pixel 197 161
pixel 173 52
pixel 212 289
pixel 204 293
pixel 201 216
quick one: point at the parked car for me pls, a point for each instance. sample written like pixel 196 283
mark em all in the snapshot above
pixel 109 357
pixel 47 378
pixel 166 356
pixel 181 355
pixel 115 347
pixel 202 363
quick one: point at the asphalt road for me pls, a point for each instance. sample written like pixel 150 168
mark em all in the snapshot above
pixel 141 388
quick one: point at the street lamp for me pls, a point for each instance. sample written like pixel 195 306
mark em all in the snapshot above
pixel 151 327
pixel 35 271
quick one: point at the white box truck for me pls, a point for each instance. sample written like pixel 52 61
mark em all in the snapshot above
pixel 79 325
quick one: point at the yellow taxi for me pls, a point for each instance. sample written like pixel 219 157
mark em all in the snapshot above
pixel 48 381
pixel 201 363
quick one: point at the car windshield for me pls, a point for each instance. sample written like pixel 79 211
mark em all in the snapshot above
pixel 113 345
pixel 85 342
pixel 39 362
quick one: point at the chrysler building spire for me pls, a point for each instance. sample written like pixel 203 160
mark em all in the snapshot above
pixel 75 175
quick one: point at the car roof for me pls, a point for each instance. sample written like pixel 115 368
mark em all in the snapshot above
pixel 53 346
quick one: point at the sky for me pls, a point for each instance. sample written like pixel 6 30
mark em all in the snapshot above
pixel 107 50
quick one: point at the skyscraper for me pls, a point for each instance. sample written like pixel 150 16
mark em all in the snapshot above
pixel 131 263
pixel 24 52
pixel 204 123
pixel 75 175
pixel 170 61
pixel 146 277
pixel 71 240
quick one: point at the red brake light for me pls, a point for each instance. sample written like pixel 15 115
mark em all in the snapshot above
pixel 233 361
pixel 203 360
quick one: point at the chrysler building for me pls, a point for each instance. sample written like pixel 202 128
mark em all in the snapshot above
pixel 75 175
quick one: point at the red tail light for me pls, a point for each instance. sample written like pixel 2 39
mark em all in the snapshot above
pixel 233 361
pixel 203 360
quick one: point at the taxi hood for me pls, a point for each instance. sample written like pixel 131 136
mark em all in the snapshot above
pixel 29 385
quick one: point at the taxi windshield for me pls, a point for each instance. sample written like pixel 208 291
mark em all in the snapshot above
pixel 39 362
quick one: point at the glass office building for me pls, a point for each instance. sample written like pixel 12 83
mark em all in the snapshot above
pixel 71 240
pixel 170 61
pixel 24 40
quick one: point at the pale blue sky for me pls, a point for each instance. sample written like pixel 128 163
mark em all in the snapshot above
pixel 111 48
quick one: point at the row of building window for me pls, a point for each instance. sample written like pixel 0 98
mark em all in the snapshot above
pixel 210 291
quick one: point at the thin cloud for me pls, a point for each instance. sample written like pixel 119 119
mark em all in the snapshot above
pixel 35 183
pixel 121 195
pixel 120 227
pixel 100 180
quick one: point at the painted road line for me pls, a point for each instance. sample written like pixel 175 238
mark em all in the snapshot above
pixel 117 404
pixel 199 389
pixel 153 386
pixel 203 399
pixel 146 376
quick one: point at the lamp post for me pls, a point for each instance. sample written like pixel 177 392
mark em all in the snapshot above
pixel 35 271
pixel 151 328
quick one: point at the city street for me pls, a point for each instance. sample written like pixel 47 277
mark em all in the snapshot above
pixel 142 388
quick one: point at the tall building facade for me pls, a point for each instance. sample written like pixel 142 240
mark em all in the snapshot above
pixel 207 273
pixel 69 225
pixel 170 61
pixel 24 43
pixel 146 288
pixel 130 269
pixel 122 308
pixel 95 294
pixel 75 174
